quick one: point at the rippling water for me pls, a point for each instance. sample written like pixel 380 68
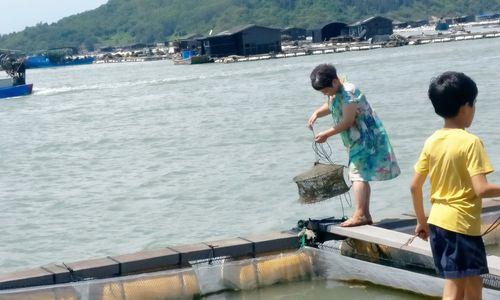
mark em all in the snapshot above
pixel 114 158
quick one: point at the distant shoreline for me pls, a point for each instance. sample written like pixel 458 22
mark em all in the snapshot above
pixel 401 37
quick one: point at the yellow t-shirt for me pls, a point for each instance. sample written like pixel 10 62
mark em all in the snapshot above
pixel 451 157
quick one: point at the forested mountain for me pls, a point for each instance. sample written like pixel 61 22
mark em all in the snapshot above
pixel 121 22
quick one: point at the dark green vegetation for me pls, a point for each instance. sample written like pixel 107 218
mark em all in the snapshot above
pixel 121 22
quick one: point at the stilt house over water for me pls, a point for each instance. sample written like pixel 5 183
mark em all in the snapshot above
pixel 327 31
pixel 188 42
pixel 399 24
pixel 464 19
pixel 244 41
pixel 371 27
pixel 418 23
pixel 294 34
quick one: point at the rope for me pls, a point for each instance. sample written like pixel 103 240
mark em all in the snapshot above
pixel 395 262
pixel 72 274
pixel 342 205
pixel 492 227
pixel 302 240
pixel 348 201
pixel 324 153
pixel 320 151
pixel 211 255
pixel 409 241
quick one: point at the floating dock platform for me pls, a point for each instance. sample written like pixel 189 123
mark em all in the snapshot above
pixel 250 262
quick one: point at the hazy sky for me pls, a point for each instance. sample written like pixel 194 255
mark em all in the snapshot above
pixel 15 15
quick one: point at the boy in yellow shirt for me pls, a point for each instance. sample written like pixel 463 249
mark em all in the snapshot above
pixel 457 165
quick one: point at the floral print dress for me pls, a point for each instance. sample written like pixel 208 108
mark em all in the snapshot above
pixel 371 157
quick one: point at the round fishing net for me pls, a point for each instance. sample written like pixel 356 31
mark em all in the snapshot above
pixel 325 179
pixel 321 182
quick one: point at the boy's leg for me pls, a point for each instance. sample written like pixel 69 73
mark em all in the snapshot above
pixel 473 288
pixel 361 214
pixel 454 289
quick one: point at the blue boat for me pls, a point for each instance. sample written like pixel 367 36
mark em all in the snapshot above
pixel 16 91
pixel 57 57
pixel 15 84
pixel 42 61
pixel 191 57
pixel 441 26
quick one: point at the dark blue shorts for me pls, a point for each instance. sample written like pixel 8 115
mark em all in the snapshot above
pixel 457 255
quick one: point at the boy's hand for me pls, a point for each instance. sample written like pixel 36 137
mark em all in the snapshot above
pixel 422 228
pixel 422 231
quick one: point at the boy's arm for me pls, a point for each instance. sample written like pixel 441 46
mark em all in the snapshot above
pixel 478 166
pixel 483 188
pixel 422 229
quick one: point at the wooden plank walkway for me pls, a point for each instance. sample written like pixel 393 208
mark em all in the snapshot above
pixel 395 239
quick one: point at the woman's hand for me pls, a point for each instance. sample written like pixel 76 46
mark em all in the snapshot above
pixel 324 135
pixel 312 119
pixel 322 111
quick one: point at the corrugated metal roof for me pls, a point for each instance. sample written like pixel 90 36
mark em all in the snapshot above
pixel 240 29
pixel 191 36
pixel 293 28
pixel 235 30
pixel 322 25
pixel 368 20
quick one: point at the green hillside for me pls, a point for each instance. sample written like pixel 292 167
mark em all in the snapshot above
pixel 121 22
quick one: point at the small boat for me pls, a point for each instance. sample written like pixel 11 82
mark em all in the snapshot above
pixel 442 26
pixel 16 91
pixel 15 84
pixel 41 61
pixel 191 57
pixel 59 57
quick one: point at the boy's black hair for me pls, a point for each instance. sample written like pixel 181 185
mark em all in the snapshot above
pixel 451 90
pixel 322 76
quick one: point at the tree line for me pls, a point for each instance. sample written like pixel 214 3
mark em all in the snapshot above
pixel 125 22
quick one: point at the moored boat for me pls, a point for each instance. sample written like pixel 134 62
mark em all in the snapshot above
pixel 59 57
pixel 40 61
pixel 191 57
pixel 441 26
pixel 16 91
pixel 15 84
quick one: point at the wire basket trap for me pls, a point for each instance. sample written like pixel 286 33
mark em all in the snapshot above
pixel 321 182
pixel 325 179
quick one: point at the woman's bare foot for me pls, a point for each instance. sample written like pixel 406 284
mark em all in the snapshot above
pixel 356 221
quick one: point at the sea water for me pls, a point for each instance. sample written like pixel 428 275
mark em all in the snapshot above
pixel 115 158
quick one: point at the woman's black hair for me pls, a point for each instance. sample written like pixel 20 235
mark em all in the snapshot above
pixel 451 90
pixel 322 76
